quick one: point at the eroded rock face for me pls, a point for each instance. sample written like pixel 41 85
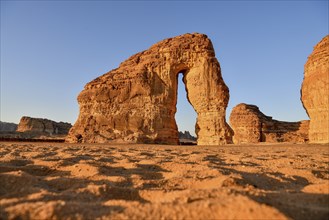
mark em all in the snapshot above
pixel 250 125
pixel 136 103
pixel 45 126
pixel 315 92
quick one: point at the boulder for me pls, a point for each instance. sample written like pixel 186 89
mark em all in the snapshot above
pixel 136 103
pixel 315 92
pixel 250 125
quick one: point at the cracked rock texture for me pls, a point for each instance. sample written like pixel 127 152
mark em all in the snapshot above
pixel 136 103
pixel 250 125
pixel 315 92
pixel 45 126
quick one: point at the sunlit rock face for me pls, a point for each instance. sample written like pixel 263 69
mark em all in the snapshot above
pixel 136 103
pixel 315 92
pixel 250 125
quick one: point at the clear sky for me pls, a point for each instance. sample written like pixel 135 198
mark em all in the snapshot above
pixel 51 49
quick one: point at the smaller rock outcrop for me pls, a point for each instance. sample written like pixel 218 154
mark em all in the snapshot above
pixel 250 125
pixel 185 138
pixel 7 126
pixel 43 126
pixel 186 135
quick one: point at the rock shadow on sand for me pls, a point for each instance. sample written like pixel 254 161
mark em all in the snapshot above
pixel 275 189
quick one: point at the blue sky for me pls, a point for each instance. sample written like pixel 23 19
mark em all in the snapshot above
pixel 51 49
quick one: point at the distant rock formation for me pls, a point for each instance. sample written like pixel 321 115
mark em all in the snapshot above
pixel 186 136
pixel 315 92
pixel 250 125
pixel 7 127
pixel 43 126
pixel 136 103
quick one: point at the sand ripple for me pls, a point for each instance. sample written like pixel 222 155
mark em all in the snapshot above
pixel 85 181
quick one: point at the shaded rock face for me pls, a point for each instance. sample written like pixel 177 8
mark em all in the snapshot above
pixel 315 92
pixel 250 125
pixel 7 127
pixel 136 103
pixel 44 126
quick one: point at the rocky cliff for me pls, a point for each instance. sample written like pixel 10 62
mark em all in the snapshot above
pixel 43 126
pixel 136 103
pixel 315 92
pixel 250 125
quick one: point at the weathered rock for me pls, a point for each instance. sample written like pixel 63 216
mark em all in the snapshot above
pixel 250 125
pixel 136 103
pixel 315 92
pixel 43 126
pixel 7 126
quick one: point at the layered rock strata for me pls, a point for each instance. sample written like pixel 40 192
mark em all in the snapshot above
pixel 250 125
pixel 43 126
pixel 315 92
pixel 136 103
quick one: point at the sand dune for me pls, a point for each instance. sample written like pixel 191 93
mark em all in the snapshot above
pixel 94 181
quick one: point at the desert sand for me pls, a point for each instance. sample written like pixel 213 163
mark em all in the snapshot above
pixel 95 181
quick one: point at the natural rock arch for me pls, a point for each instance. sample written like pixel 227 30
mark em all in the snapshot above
pixel 136 103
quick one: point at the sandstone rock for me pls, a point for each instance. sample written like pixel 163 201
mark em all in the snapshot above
pixel 250 125
pixel 136 103
pixel 43 126
pixel 6 126
pixel 315 92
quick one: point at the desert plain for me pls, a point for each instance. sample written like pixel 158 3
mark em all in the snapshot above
pixel 117 181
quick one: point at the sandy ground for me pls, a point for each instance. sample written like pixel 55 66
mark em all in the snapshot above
pixel 86 181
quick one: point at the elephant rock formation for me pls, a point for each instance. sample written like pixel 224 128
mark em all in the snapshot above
pixel 136 103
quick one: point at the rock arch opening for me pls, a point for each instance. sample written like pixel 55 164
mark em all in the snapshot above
pixel 185 113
